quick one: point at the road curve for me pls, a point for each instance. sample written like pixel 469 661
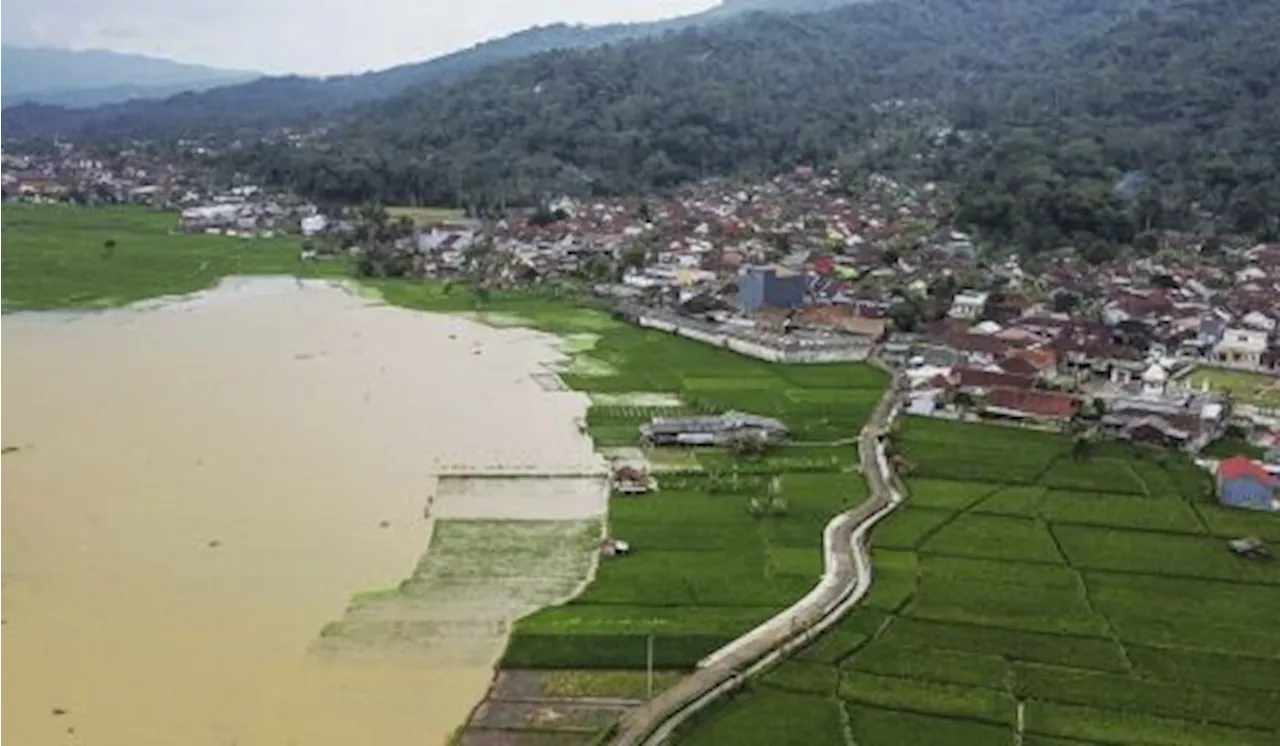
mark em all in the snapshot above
pixel 845 581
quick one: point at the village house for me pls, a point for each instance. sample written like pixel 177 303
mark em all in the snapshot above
pixel 1240 346
pixel 1038 406
pixel 844 320
pixel 1189 423
pixel 968 305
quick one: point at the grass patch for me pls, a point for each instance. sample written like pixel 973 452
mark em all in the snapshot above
pixel 621 684
pixel 1248 388
pixel 772 716
pixel 874 726
pixel 1117 727
pixel 995 537
pixel 948 700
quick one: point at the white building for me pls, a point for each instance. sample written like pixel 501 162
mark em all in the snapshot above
pixel 968 305
pixel 1240 346
pixel 1154 381
pixel 314 224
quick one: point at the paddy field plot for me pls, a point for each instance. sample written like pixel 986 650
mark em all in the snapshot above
pixel 1095 592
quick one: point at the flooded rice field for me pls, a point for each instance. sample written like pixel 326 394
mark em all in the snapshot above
pixel 216 511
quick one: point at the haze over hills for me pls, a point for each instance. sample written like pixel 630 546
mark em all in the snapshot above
pixel 95 77
pixel 286 101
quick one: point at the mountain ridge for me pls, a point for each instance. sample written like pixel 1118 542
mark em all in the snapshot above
pixel 91 77
pixel 295 101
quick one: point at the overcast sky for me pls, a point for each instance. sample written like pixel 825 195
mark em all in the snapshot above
pixel 303 36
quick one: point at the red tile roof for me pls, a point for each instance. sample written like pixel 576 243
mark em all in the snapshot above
pixel 1040 359
pixel 964 342
pixel 1239 466
pixel 1040 403
pixel 993 379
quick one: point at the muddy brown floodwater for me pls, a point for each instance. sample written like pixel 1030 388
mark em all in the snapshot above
pixel 201 486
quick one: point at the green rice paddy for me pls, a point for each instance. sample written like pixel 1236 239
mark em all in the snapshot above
pixel 1095 595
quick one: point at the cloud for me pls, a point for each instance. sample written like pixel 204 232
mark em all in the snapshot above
pixel 303 36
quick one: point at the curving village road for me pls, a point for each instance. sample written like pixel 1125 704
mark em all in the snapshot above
pixel 845 581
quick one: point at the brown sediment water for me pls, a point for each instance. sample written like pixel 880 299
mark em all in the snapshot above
pixel 200 487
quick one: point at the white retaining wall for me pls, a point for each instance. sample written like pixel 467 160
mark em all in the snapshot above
pixel 818 354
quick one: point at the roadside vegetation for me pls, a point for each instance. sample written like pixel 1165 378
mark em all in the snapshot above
pixel 1030 593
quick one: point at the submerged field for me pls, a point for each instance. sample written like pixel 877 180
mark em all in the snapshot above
pixel 474 579
pixel 1026 596
pixel 58 257
pixel 706 565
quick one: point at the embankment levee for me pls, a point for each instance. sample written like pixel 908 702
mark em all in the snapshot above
pixel 844 583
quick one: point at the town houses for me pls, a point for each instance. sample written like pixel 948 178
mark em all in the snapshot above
pixel 1168 347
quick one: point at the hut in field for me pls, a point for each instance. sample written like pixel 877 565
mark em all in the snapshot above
pixel 1243 483
pixel 632 480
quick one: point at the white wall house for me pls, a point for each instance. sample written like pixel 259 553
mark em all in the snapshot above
pixel 1240 346
pixel 313 224
pixel 968 305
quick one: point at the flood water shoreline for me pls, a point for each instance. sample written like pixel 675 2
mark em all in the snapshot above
pixel 202 484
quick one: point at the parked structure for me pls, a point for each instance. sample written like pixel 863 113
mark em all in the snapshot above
pixel 614 547
pixel 1251 547
pixel 719 429
pixel 1243 483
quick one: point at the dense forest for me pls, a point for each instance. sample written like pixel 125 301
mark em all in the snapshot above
pixel 1092 123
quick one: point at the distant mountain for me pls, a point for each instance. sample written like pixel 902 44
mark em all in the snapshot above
pixel 288 101
pixel 96 77
pixel 777 6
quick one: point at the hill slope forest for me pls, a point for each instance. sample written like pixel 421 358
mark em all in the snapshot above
pixel 1091 122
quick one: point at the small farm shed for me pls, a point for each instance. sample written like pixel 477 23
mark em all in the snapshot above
pixel 1243 483
pixel 712 430
pixel 630 480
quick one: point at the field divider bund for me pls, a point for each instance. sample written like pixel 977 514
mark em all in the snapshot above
pixel 846 581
